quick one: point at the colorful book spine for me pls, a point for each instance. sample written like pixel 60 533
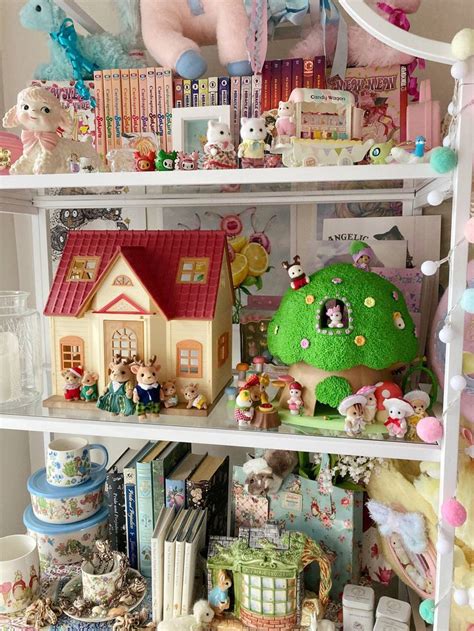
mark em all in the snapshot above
pixel 212 85
pixel 308 70
pixel 286 70
pixel 100 145
pixel 275 83
pixel 245 97
pixel 115 499
pixel 235 108
pixel 117 107
pixel 266 86
pixel 195 93
pixel 403 102
pixel 175 493
pixel 203 93
pixel 160 107
pixel 142 91
pixel 319 72
pixel 256 95
pixel 126 101
pixel 187 100
pixel 108 110
pixel 151 99
pixel 296 73
pixel 130 482
pixel 135 100
pixel 161 468
pixel 144 502
pixel 168 97
pixel 223 89
pixel 178 92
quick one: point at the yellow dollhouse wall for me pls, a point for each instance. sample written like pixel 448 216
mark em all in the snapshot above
pixel 221 325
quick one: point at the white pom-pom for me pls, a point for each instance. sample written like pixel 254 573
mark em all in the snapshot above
pixel 443 546
pixel 458 383
pixel 446 141
pixel 459 70
pixel 461 597
pixel 435 198
pixel 451 109
pixel 446 335
pixel 429 268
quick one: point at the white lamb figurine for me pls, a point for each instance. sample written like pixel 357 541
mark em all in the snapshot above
pixel 199 620
pixel 44 151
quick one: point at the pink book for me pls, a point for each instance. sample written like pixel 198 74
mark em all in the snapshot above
pixel 100 146
pixel 286 79
pixel 160 107
pixel 108 111
pixel 134 101
pixel 126 101
pixel 142 92
pixel 168 96
pixel 151 99
pixel 117 107
pixel 423 117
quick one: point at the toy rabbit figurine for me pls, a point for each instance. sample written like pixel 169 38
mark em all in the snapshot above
pixel 335 317
pixel 169 394
pixel 117 397
pixel 219 150
pixel 295 402
pixel 352 407
pixel 194 398
pixel 219 595
pixel 146 394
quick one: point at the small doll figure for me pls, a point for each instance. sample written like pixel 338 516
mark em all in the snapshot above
pixel 243 411
pixel 169 394
pixel 219 152
pixel 420 402
pixel 72 385
pixel 295 402
pixel 165 160
pixel 146 394
pixel 144 161
pixel 187 161
pixel 362 254
pixel 89 388
pixel 254 388
pixel 285 124
pixel 73 162
pixel 398 412
pixel 117 397
pixel 194 398
pixel 352 407
pixel 219 595
pixel 252 148
pixel 298 278
pixel 370 408
pixel 335 317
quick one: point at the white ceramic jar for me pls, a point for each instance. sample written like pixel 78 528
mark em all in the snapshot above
pixel 384 624
pixel 358 608
pixel 19 573
pixel 393 609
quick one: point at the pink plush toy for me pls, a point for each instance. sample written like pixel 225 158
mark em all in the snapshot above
pixel 173 31
pixel 364 50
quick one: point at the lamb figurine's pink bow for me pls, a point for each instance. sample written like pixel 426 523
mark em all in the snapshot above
pixel 47 140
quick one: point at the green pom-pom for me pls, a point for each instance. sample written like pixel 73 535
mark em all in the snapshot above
pixel 332 390
pixel 443 159
pixel 357 246
pixel 427 610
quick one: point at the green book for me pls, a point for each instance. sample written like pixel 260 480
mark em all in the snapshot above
pixel 162 467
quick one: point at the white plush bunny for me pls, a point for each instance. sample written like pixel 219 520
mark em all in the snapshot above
pixel 202 615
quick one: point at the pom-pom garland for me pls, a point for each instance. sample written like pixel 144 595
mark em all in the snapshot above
pixel 429 268
pixel 453 512
pixel 461 597
pixel 446 334
pixel 443 159
pixel 443 546
pixel 429 429
pixel 435 198
pixel 458 383
pixel 427 610
pixel 467 300
pixel 469 230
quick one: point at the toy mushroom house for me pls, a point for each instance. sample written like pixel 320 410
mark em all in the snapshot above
pixel 344 329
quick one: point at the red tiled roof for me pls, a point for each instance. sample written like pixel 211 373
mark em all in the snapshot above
pixel 154 257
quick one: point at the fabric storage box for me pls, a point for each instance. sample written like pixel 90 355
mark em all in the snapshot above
pixel 333 519
pixel 393 609
pixel 66 505
pixel 384 624
pixel 65 543
pixel 358 608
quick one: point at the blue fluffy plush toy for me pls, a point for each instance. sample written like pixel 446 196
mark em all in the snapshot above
pixel 69 50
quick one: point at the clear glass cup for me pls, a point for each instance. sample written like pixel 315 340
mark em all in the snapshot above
pixel 20 351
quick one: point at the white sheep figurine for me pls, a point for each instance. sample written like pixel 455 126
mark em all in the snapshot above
pixel 40 114
pixel 199 620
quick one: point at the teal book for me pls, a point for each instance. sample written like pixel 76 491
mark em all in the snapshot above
pixel 144 503
pixel 175 483
pixel 162 466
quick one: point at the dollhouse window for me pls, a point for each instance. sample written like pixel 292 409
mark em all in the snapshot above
pixel 124 342
pixel 122 281
pixel 268 596
pixel 189 359
pixel 83 268
pixel 334 316
pixel 222 348
pixel 193 270
pixel 72 352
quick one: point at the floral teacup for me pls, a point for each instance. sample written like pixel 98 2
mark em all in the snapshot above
pixel 19 572
pixel 101 588
pixel 69 462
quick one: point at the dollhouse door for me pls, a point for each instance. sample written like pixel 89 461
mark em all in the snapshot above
pixel 122 337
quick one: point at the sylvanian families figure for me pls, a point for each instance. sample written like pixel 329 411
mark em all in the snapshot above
pixel 187 161
pixel 165 160
pixel 362 254
pixel 219 595
pixel 370 408
pixel 243 411
pixel 194 398
pixel 146 394
pixel 144 161
pixel 252 148
pixel 335 317
pixel 295 402
pixel 169 393
pixel 298 278
pixel 285 124
pixel 219 152
pixel 420 402
pixel 72 383
pixel 89 388
pixel 117 397
pixel 398 412
pixel 352 407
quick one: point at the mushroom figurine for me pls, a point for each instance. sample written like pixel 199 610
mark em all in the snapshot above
pixel 385 390
pixel 259 363
pixel 370 409
pixel 398 412
pixel 241 368
pixel 352 407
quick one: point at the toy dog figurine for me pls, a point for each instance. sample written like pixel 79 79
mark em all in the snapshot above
pixel 219 595
pixel 168 393
pixel 89 389
pixel 352 407
pixel 194 398
pixel 252 148
pixel 295 271
pixel 72 386
pixel 117 397
pixel 219 150
pixel 146 394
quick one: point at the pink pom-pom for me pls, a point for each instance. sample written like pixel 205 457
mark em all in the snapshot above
pixel 453 512
pixel 469 230
pixel 429 429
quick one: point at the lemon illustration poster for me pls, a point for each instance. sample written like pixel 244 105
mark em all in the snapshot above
pixel 258 238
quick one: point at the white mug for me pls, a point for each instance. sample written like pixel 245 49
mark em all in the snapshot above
pixel 69 463
pixel 19 572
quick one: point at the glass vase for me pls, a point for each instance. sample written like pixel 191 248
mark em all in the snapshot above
pixel 20 351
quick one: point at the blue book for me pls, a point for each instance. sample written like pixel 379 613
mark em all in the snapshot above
pixel 175 484
pixel 129 478
pixel 195 93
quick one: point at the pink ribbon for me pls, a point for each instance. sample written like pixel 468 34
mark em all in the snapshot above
pixel 47 140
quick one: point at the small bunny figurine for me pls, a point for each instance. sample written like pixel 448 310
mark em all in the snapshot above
pixel 335 317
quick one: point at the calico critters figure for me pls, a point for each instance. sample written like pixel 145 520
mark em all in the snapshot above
pixel 146 394
pixel 398 412
pixel 117 397
pixel 352 407
pixel 219 152
pixel 252 148
pixel 370 409
pixel 285 125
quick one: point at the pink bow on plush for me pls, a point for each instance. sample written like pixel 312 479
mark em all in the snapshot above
pixel 47 139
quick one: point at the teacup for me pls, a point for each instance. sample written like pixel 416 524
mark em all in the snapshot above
pixel 69 461
pixel 100 589
pixel 19 572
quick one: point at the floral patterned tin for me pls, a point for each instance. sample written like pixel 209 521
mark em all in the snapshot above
pixel 60 544
pixel 59 505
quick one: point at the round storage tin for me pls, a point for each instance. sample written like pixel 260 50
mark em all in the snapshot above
pixel 66 505
pixel 65 543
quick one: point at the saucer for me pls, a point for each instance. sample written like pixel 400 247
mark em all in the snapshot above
pixel 73 589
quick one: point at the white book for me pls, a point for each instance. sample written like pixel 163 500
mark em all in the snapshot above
pixel 165 519
pixel 183 534
pixel 194 542
pixel 168 572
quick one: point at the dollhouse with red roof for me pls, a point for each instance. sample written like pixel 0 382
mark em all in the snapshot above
pixel 163 293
